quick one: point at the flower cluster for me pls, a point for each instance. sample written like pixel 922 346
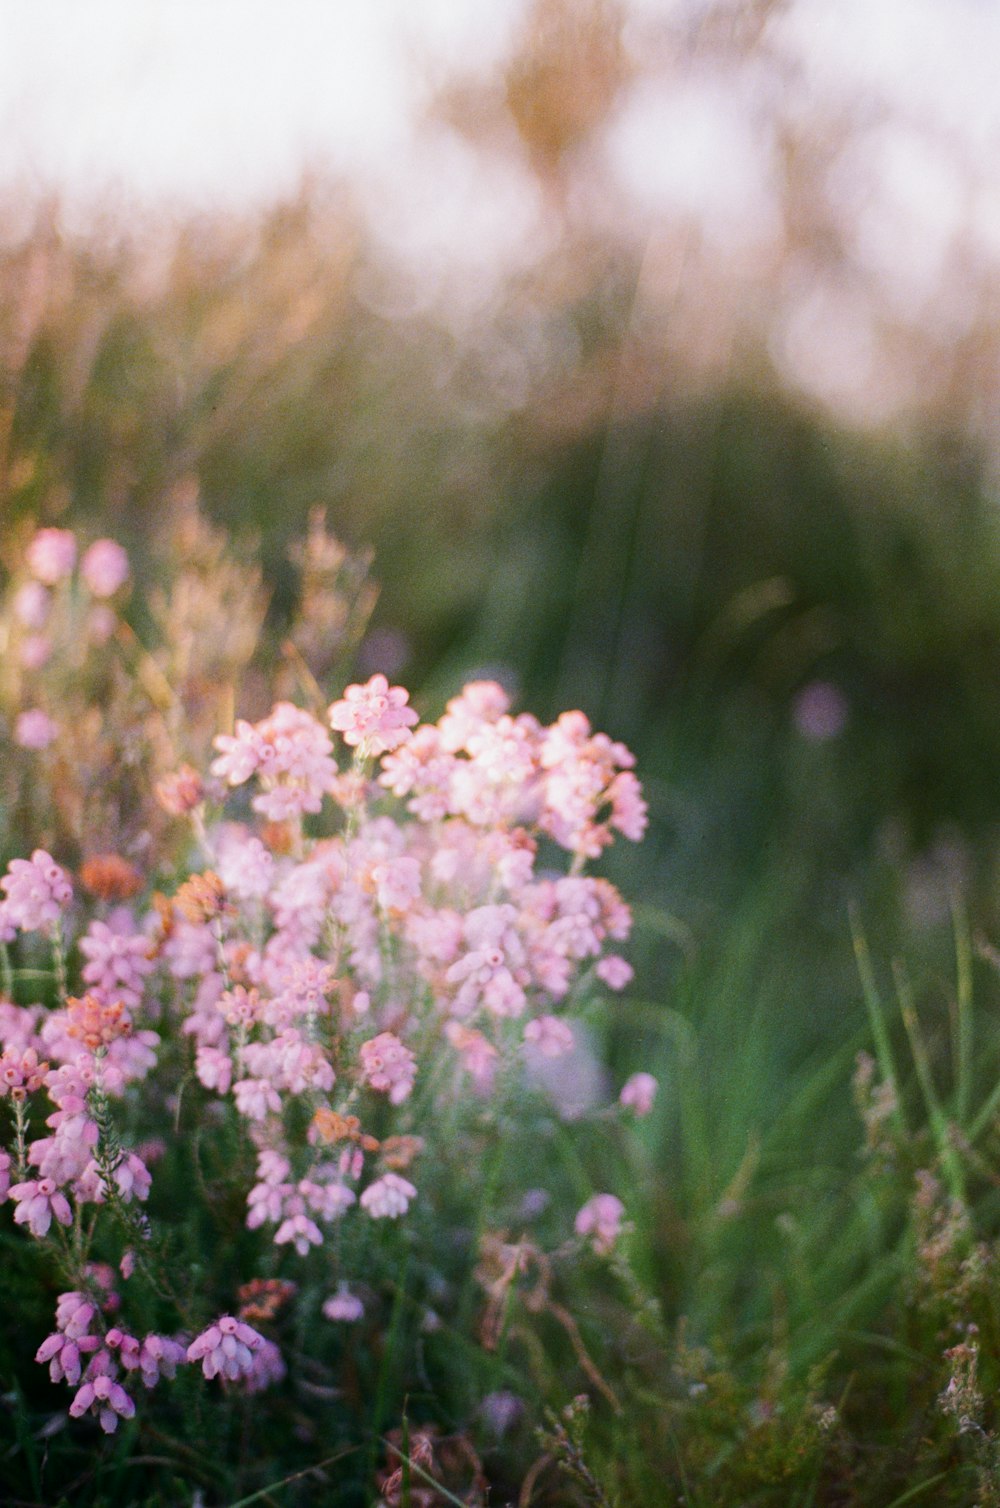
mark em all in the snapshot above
pixel 363 941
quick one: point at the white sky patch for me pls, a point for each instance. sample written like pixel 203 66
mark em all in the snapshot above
pixel 220 99
pixel 692 152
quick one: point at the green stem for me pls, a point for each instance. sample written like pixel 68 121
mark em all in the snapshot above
pixel 6 973
pixel 59 958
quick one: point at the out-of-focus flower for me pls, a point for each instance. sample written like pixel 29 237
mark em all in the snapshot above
pixel 34 729
pixel 388 1066
pixel 820 711
pixel 35 650
pixel 638 1093
pixel 37 889
pixel 226 1348
pixel 343 1305
pixel 388 1197
pixel 374 715
pixel 614 971
pixel 31 605
pixel 99 624
pixel 51 555
pixel 549 1036
pixel 104 567
pixel 181 791
pixel 110 877
pixel 500 1411
pixel 601 1220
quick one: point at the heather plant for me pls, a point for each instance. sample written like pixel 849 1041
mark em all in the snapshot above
pixel 262 1065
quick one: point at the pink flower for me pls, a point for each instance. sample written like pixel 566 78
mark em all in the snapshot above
pixel 118 960
pixel 344 1306
pixel 107 1398
pixel 21 1070
pixel 388 1197
pixel 255 1098
pixel 615 972
pixel 480 703
pixel 51 555
pixel 35 651
pixel 289 751
pixel 99 624
pixel 479 1056
pixel 104 567
pixel 267 1369
pixel 74 1314
pixel 397 883
pixel 638 1093
pixel 374 715
pixel 227 1347
pixel 601 1220
pixel 31 605
pixel 549 1036
pixel 34 729
pixel 820 711
pixel 388 1066
pixel 37 889
pixel 300 1231
pixel 37 1201
pixel 158 1356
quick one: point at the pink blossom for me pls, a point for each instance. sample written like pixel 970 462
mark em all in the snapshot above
pixel 37 1201
pixel 638 1093
pixel 118 961
pixel 388 1197
pixel 480 702
pixel 374 716
pixel 300 1231
pixel 64 1357
pixel 51 555
pixel 104 567
pixel 226 1347
pixel 267 1368
pixel 344 1306
pixel 388 1066
pixel 479 1056
pixel 99 624
pixel 397 883
pixel 289 751
pixel 601 1220
pixel 159 1355
pixel 75 1314
pixel 4 1175
pixel 34 729
pixel 107 1398
pixel 549 1036
pixel 820 711
pixel 491 973
pixel 614 971
pixel 244 865
pixel 255 1098
pixel 31 605
pixel 35 651
pixel 37 889
pixel 21 1070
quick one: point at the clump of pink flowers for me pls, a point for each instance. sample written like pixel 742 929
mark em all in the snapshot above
pixel 364 939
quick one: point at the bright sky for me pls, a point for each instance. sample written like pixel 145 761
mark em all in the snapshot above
pixel 223 102
pixel 225 99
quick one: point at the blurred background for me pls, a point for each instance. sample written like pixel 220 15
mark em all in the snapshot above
pixel 651 346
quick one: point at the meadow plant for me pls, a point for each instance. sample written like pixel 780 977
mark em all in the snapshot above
pixel 331 956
